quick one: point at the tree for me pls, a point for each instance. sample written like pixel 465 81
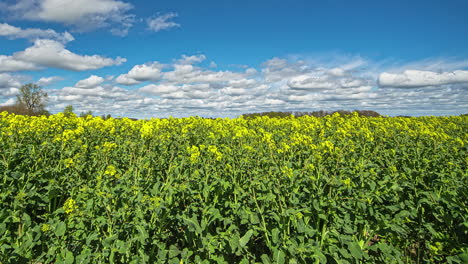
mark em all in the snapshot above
pixel 33 98
pixel 68 110
pixel 87 113
pixel 105 117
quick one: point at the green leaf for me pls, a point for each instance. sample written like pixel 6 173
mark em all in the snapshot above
pixel 173 251
pixel 143 234
pixel 60 229
pixel 355 250
pixel 265 259
pixel 320 256
pixel 193 224
pixel 245 239
pixel 234 243
pixel 107 242
pixel 91 237
pixel 120 246
pixel 279 257
pixel 316 205
pixel 69 258
pixel 244 261
pixel 463 257
pixel 275 235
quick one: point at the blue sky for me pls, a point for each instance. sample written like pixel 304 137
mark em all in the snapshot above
pixel 224 58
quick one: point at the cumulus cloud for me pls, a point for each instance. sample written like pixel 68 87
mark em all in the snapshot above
pixel 141 73
pixel 191 59
pixel 187 73
pixel 83 15
pixel 160 89
pixel 50 53
pixel 162 22
pixel 318 79
pixel 9 84
pixel 415 78
pixel 45 81
pixel 125 80
pixel 9 81
pixel 97 91
pixel 310 82
pixel 90 82
pixel 277 69
pixel 13 32
pixel 10 64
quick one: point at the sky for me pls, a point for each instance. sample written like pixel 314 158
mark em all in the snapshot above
pixel 209 58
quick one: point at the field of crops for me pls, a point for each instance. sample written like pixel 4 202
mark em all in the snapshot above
pixel 266 190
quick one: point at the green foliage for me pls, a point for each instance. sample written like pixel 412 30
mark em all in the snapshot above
pixel 87 113
pixel 292 190
pixel 105 117
pixel 68 111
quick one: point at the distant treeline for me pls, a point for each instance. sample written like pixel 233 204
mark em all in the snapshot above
pixel 20 109
pixel 320 113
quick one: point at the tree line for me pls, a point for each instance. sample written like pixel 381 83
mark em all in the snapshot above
pixel 321 113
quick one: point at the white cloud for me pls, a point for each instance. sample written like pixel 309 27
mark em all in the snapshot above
pixel 187 73
pixel 51 53
pixel 216 77
pixel 10 84
pixel 95 94
pixel 9 81
pixel 160 89
pixel 338 72
pixel 13 32
pixel 90 82
pixel 277 69
pixel 242 83
pixel 141 73
pixel 416 78
pixel 125 80
pixel 83 15
pixel 191 59
pixel 310 82
pixel 319 79
pixel 45 81
pixel 10 64
pixel 162 22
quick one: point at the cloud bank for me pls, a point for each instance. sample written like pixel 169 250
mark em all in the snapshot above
pixel 189 85
pixel 185 87
pixel 415 78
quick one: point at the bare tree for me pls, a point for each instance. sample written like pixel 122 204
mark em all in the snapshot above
pixel 32 97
